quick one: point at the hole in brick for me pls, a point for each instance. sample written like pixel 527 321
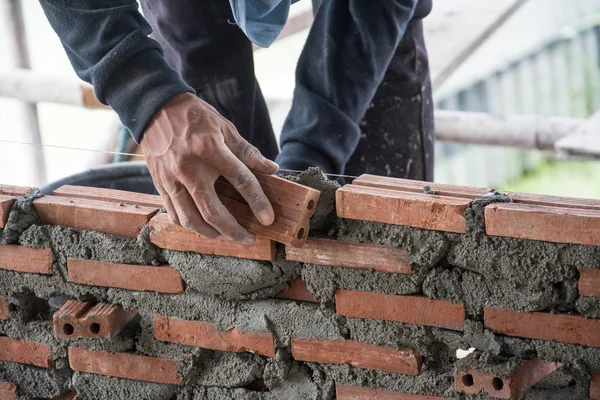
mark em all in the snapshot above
pixel 310 205
pixel 497 383
pixel 95 328
pixel 68 329
pixel 300 233
pixel 467 380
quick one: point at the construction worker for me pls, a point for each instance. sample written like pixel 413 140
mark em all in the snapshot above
pixel 362 101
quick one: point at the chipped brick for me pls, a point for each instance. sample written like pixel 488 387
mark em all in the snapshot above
pixel 402 208
pixel 351 255
pixel 204 334
pixel 4 308
pixel 124 365
pixel 357 354
pixel 550 224
pixel 167 235
pixel 418 310
pixel 119 219
pixel 595 386
pixel 297 291
pixel 163 279
pixel 8 391
pixel 589 282
pixel 25 352
pixel 23 259
pixel 563 328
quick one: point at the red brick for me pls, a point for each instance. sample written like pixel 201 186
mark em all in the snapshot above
pixel 555 201
pixel 357 354
pixel 125 276
pixel 11 190
pixel 7 198
pixel 76 319
pixel 351 255
pixel 297 291
pixel 402 208
pixel 510 386
pixel 65 396
pixel 418 310
pixel 124 365
pixel 23 259
pixel 204 334
pixel 24 352
pixel 93 215
pixel 292 203
pixel 359 393
pixel 409 185
pixel 110 195
pixel 170 236
pixel 550 224
pixel 4 308
pixel 589 282
pixel 563 328
pixel 8 391
pixel 595 386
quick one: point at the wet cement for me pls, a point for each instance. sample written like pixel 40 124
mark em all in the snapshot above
pixel 21 216
pixel 34 382
pixel 94 387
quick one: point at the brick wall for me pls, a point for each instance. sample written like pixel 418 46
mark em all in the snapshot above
pixel 101 297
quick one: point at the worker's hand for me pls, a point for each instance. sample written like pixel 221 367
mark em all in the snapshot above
pixel 188 145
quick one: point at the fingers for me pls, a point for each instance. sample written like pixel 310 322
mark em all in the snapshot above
pixel 249 154
pixel 247 185
pixel 216 215
pixel 188 215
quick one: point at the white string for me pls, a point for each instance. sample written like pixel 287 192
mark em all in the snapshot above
pixel 132 154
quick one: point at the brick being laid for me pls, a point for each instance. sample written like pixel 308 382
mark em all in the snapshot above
pixel 124 365
pixel 80 319
pixel 111 218
pixel 562 328
pixel 426 211
pixel 470 380
pixel 351 255
pixel 205 335
pixel 363 393
pixel 292 203
pixel 357 354
pixel 162 279
pixel 418 310
pixel 24 259
pixel 545 223
pixel 25 352
pixel 167 235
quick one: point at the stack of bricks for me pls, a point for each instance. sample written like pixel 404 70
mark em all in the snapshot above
pixel 101 296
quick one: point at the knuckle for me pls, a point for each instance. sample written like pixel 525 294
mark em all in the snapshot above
pixel 244 181
pixel 209 215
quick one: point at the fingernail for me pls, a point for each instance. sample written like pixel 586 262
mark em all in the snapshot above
pixel 249 240
pixel 270 164
pixel 266 218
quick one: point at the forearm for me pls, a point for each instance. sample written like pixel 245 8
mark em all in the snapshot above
pixel 108 45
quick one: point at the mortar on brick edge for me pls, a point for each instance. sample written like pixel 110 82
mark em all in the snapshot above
pixel 94 387
pixel 324 218
pixel 323 281
pixel 22 215
pixel 588 306
pixel 430 382
pixel 233 278
pixel 34 382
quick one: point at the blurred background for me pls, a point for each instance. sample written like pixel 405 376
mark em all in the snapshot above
pixel 508 58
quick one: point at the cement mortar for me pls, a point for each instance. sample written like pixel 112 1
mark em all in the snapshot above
pixel 34 382
pixel 214 393
pixel 94 387
pixel 588 306
pixel 228 369
pixel 323 281
pixel 432 382
pixel 22 215
pixel 233 278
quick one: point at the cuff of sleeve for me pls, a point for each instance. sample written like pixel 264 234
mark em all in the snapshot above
pixel 299 156
pixel 141 87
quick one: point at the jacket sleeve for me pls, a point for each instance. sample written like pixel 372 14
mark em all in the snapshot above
pixel 108 45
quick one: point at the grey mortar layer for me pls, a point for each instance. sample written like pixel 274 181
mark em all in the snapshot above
pixel 95 387
pixel 233 278
pixel 21 216
pixel 34 382
pixel 229 369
